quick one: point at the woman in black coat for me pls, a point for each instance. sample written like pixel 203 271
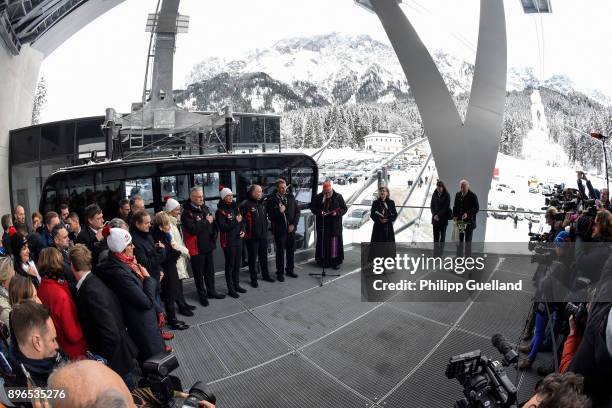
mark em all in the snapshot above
pixel 440 211
pixel 170 283
pixel 135 289
pixel 383 214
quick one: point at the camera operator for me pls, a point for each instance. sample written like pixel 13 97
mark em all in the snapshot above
pixel 559 391
pixel 593 359
pixel 593 193
pixel 592 248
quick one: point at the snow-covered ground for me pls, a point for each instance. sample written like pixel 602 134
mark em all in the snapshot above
pixel 543 162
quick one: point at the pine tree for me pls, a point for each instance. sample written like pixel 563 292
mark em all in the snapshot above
pixel 40 99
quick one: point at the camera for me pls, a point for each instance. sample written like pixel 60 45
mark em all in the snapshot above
pixel 485 382
pixel 157 376
pixel 579 311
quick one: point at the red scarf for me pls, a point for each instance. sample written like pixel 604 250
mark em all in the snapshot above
pixel 129 261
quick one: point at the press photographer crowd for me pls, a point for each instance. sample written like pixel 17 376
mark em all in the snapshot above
pixel 571 315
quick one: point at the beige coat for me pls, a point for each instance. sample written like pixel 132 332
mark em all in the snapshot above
pixel 5 306
pixel 183 261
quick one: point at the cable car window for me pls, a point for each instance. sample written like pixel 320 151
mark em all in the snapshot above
pixel 50 201
pixel 142 187
pixel 176 187
pixel 264 177
pixel 108 195
pixel 209 183
pixel 81 190
pixel 301 184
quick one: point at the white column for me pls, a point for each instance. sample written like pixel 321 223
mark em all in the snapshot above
pixel 461 150
pixel 19 77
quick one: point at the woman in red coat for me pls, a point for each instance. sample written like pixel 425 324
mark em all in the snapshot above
pixel 55 294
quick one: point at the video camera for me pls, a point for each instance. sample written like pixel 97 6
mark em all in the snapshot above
pixel 564 200
pixel 485 382
pixel 156 371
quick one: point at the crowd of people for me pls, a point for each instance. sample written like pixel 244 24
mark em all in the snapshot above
pixel 109 291
pixel 574 268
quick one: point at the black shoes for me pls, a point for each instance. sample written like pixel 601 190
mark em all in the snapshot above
pixel 280 278
pixel 268 279
pixel 253 284
pixel 215 295
pixel 204 301
pixel 188 306
pixel 240 289
pixel 292 274
pixel 233 294
pixel 178 325
pixel 185 310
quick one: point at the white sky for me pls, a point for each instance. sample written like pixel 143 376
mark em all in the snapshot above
pixel 103 64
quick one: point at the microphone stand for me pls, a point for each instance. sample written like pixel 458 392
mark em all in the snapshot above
pixel 322 275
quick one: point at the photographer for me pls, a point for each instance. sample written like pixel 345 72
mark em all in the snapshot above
pixel 593 193
pixel 593 237
pixel 559 391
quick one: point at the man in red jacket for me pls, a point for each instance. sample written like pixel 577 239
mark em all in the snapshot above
pixel 200 235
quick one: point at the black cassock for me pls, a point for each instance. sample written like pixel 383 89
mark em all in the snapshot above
pixel 329 251
pixel 382 232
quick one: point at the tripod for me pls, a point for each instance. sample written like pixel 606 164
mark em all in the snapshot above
pixel 322 275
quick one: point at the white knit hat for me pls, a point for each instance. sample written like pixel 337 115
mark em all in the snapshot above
pixel 225 192
pixel 171 204
pixel 118 240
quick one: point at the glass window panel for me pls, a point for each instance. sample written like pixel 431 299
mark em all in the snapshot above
pixel 176 187
pixel 209 183
pixel 142 187
pixel 24 145
pixel 26 186
pixel 301 184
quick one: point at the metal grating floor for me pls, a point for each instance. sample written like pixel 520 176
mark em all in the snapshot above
pixel 297 344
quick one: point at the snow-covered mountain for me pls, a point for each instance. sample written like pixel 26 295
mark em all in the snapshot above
pixel 332 69
pixel 320 70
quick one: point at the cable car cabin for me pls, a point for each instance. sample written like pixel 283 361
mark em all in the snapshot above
pixel 156 179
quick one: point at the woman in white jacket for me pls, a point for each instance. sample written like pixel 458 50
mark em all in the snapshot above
pixel 173 209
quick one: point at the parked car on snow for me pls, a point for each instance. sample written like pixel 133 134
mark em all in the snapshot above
pixel 356 218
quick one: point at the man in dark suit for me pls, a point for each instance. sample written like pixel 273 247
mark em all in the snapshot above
pixel 465 209
pixel 101 317
pixel 91 234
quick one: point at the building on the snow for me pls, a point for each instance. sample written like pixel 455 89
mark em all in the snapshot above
pixel 383 142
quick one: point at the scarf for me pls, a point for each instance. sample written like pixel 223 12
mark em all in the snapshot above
pixel 129 261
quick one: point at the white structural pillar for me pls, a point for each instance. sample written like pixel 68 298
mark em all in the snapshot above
pixel 461 150
pixel 19 76
pixel 17 88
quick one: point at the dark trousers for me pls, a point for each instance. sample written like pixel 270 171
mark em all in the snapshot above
pixel 233 262
pixel 439 232
pixel 203 272
pixel 465 241
pixel 169 288
pixel 284 245
pixel 258 251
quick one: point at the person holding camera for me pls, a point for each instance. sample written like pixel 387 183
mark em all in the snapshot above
pixel 559 391
pixel 284 216
pixel 592 247
pixel 465 210
pixel 232 233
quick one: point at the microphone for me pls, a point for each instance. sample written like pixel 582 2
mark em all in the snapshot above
pixel 505 348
